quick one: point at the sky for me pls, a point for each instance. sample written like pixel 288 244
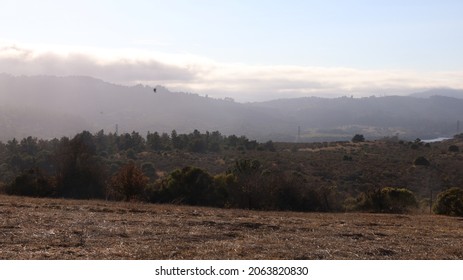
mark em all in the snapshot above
pixel 248 50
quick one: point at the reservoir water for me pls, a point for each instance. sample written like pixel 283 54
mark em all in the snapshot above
pixel 436 139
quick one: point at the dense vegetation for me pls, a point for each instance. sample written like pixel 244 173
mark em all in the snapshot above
pixel 450 202
pixel 229 171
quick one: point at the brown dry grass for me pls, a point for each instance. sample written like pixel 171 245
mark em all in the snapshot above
pixel 69 229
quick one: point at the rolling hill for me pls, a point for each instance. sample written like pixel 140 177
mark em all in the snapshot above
pixel 48 106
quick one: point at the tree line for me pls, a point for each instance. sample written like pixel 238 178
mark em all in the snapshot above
pixel 87 149
pixel 84 166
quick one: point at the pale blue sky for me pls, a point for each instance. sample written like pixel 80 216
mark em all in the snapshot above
pixel 363 35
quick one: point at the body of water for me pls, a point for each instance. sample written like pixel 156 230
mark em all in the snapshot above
pixel 436 139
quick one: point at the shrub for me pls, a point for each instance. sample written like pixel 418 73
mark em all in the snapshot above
pixel 189 185
pixel 387 200
pixel 295 195
pixel 31 183
pixel 350 204
pixel 421 161
pixel 278 190
pixel 249 190
pixel 223 184
pixel 399 199
pixel 450 202
pixel 454 149
pixel 149 170
pixel 269 146
pixel 358 138
pixel 131 154
pixel 330 199
pixel 246 167
pixel 347 158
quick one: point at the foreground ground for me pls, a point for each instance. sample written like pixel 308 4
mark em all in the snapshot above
pixel 70 229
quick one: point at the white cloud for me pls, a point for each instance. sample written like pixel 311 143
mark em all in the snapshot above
pixel 186 72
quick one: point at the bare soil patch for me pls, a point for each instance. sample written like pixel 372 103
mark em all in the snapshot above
pixel 78 229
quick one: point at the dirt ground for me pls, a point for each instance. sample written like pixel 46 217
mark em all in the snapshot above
pixel 77 229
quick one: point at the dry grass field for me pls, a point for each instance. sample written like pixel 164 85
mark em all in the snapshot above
pixel 75 229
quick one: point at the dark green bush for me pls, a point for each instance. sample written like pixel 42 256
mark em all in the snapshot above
pixel 454 149
pixel 347 158
pixel 387 200
pixel 450 202
pixel 31 183
pixel 190 185
pixel 421 161
pixel 149 170
pixel 358 138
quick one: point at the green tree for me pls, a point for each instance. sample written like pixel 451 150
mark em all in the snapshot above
pixel 138 143
pixel 177 142
pixel 214 141
pixel 12 146
pixel 29 146
pixel 154 141
pixel 196 143
pixel 80 173
pixel 166 142
pixel 358 138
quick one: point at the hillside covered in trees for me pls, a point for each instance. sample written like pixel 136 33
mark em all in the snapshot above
pixel 211 169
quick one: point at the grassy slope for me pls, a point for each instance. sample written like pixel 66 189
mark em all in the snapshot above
pixel 70 229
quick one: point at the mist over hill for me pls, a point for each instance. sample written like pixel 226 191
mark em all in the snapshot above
pixel 448 92
pixel 48 106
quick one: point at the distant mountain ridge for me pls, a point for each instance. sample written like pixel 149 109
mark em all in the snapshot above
pixel 446 92
pixel 92 104
pixel 47 107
